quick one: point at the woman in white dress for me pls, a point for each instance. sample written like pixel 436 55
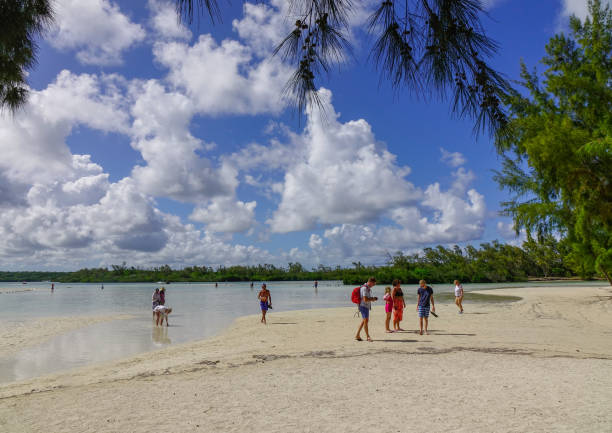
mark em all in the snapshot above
pixel 459 296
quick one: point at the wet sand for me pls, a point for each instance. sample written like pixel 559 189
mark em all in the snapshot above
pixel 543 363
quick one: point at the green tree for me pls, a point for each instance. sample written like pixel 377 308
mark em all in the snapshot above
pixel 432 47
pixel 557 146
pixel 22 22
pixel 547 255
pixel 295 268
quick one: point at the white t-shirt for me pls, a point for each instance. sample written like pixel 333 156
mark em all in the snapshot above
pixel 365 292
pixel 161 309
pixel 458 290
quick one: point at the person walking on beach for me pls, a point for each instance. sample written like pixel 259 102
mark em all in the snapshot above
pixel 162 296
pixel 316 284
pixel 52 287
pixel 155 300
pixel 459 296
pixel 265 301
pixel 398 305
pixel 388 307
pixel 425 298
pixel 365 305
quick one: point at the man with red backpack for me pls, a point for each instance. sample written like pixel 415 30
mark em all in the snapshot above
pixel 365 305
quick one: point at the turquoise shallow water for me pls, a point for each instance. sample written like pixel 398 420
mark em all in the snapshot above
pixel 199 310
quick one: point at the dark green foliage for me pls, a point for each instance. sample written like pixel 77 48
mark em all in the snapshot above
pixel 493 262
pixel 188 9
pixel 557 146
pixel 21 22
pixel 430 47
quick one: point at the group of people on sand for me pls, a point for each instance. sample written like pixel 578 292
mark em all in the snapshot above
pixel 160 310
pixel 395 303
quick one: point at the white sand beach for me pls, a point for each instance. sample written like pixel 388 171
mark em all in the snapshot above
pixel 543 363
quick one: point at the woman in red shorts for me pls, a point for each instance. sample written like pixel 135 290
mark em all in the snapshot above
pixel 398 305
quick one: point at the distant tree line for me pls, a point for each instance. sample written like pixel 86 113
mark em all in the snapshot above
pixel 492 262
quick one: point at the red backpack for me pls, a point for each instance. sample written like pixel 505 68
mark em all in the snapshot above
pixel 356 295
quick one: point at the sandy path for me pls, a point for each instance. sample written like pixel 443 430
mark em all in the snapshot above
pixel 540 364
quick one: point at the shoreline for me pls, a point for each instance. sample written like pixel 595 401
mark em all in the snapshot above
pixel 547 356
pixel 31 332
pixel 528 280
pixel 16 335
pixel 69 323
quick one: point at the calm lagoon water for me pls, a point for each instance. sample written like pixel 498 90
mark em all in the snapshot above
pixel 199 310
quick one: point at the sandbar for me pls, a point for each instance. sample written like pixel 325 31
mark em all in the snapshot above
pixel 11 290
pixel 542 363
pixel 17 335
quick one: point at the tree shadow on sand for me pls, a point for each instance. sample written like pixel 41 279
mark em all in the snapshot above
pixel 443 332
pixel 458 335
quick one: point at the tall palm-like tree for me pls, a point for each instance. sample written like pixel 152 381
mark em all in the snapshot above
pixel 21 23
pixel 432 47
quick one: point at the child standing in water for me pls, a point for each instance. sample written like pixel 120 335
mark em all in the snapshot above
pixel 459 296
pixel 388 307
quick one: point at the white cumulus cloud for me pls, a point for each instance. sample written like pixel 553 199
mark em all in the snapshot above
pixel 508 233
pixel 264 26
pixel 32 142
pixel 165 21
pixel 453 159
pixel 344 175
pixel 61 209
pixel 173 167
pixel 506 229
pixel 226 215
pixel 224 78
pixel 579 8
pixel 55 203
pixel 443 217
pixel 96 29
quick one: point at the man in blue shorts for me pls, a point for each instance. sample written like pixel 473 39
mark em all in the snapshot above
pixel 365 306
pixel 425 298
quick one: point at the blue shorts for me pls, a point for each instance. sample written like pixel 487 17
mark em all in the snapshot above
pixel 423 311
pixel 365 312
pixel 263 305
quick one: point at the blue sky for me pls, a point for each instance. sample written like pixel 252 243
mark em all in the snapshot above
pixel 151 143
